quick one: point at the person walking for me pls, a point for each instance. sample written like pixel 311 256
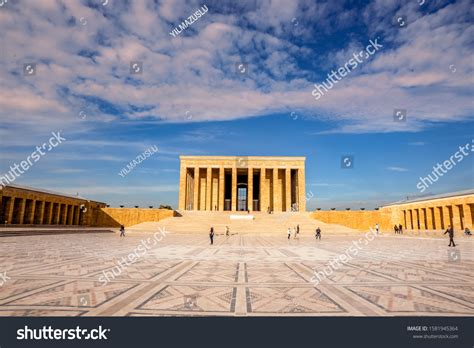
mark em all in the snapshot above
pixel 289 233
pixel 400 229
pixel 298 229
pixel 450 232
pixel 318 233
pixel 295 232
pixel 227 231
pixel 395 228
pixel 122 231
pixel 211 235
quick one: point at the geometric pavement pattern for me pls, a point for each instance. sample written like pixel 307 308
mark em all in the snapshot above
pixel 240 275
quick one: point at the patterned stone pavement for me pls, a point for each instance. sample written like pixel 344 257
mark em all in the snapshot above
pixel 240 275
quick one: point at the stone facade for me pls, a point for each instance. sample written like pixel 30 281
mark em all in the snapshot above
pixel 428 213
pixel 30 206
pixel 436 212
pixel 114 217
pixel 237 183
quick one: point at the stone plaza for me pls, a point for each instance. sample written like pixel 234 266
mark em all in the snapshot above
pixel 62 254
pixel 244 274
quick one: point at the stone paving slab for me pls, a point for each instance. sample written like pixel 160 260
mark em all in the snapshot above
pixel 241 275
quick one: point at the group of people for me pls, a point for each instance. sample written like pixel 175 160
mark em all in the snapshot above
pixel 295 231
pixel 398 229
pixel 211 233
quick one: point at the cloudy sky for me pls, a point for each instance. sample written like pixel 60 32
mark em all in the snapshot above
pixel 190 97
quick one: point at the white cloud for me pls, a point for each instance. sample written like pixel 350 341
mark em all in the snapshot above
pixel 397 169
pixel 196 71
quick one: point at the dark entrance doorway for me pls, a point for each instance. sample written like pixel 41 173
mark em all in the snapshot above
pixel 241 197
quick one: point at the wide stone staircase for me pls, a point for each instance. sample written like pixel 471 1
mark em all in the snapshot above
pixel 242 223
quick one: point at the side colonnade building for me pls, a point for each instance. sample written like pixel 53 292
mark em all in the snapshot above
pixel 22 205
pixel 436 212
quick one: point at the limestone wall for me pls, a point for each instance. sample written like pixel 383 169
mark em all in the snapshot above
pixel 359 220
pixel 423 214
pixel 21 205
pixel 114 217
pixel 203 183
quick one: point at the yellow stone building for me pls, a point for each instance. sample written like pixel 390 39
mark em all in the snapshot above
pixel 435 212
pixel 21 205
pixel 236 183
pixel 228 183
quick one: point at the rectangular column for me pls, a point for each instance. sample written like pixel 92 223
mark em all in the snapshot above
pixel 22 211
pixel 446 217
pixel 456 218
pixel 467 216
pixel 276 199
pixel 423 218
pixel 49 214
pixel 221 188
pixel 30 218
pixel 263 191
pixel 301 190
pixel 57 217
pixel 70 215
pixel 208 188
pixel 250 189
pixel 41 212
pixel 234 188
pixel 76 215
pixel 288 189
pixel 196 189
pixel 63 214
pixel 438 212
pixel 429 219
pixel 9 211
pixel 182 187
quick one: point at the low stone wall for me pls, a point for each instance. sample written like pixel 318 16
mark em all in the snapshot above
pixel 359 220
pixel 114 217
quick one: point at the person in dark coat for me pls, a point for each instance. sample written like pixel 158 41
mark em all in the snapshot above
pixel 318 233
pixel 400 229
pixel 211 235
pixel 395 228
pixel 122 231
pixel 450 232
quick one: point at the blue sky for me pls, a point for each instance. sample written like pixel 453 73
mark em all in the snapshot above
pixel 191 100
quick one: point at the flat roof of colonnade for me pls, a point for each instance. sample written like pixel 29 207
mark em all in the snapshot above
pixel 47 192
pixel 433 197
pixel 251 158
